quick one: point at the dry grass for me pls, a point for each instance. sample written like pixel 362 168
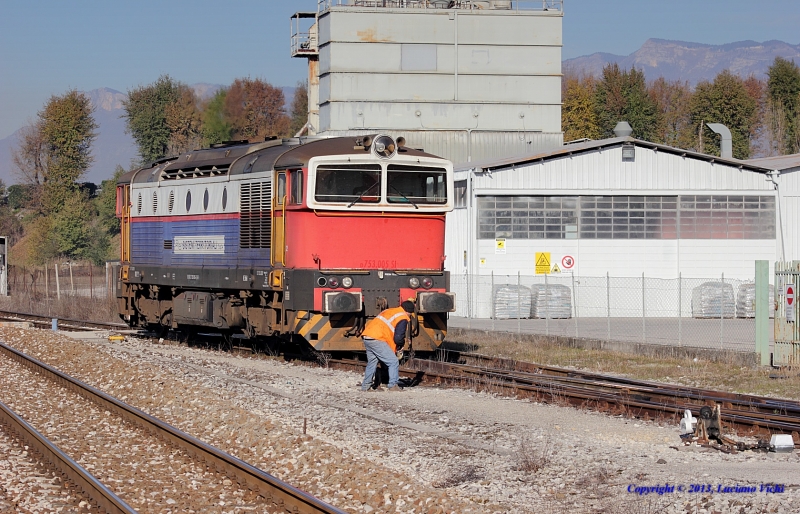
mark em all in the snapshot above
pixel 457 476
pixel 530 458
pixel 724 374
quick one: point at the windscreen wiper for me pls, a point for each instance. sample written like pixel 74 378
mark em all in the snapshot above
pixel 361 196
pixel 404 196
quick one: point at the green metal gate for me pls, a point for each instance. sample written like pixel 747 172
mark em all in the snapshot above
pixel 787 315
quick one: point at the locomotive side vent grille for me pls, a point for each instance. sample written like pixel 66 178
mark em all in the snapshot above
pixel 167 244
pixel 194 172
pixel 255 223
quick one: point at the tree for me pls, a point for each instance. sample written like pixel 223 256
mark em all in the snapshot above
pixel 146 113
pixel 20 195
pixel 184 122
pixel 783 86
pixel 215 128
pixel 29 156
pixel 579 112
pixel 106 203
pixel 622 95
pixel 255 109
pixel 67 130
pixel 299 108
pixel 724 101
pixel 672 103
pixel 757 90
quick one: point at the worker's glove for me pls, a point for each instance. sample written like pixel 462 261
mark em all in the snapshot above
pixel 399 355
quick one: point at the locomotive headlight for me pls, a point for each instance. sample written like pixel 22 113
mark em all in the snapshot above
pixel 413 282
pixel 347 282
pixel 427 282
pixel 380 147
pixel 333 282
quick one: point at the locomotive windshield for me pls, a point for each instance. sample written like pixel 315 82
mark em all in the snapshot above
pixel 416 185
pixel 348 183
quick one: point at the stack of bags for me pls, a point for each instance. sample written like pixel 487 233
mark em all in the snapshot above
pixel 552 301
pixel 512 302
pixel 746 301
pixel 713 300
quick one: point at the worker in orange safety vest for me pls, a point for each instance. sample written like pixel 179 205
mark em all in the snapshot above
pixel 382 337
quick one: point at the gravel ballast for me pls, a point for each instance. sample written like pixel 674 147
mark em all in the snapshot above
pixel 423 450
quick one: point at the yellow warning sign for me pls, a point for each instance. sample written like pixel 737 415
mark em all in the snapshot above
pixel 483 261
pixel 542 263
pixel 500 245
pixel 556 269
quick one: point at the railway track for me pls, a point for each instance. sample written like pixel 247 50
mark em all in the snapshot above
pixel 63 323
pixel 744 414
pixel 278 495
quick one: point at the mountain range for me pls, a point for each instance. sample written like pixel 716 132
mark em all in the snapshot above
pixel 672 60
pixel 693 62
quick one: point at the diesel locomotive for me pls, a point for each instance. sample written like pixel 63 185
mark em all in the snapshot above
pixel 300 239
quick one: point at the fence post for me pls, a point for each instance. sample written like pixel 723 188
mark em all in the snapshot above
pixel 546 306
pixel 575 304
pixel 58 284
pixel 608 305
pixel 46 283
pixel 493 302
pixel 721 309
pixel 91 283
pixel 762 311
pixel 519 305
pixel 680 310
pixel 71 281
pixel 644 311
pixel 108 283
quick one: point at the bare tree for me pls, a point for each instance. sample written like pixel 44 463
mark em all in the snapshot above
pixel 30 156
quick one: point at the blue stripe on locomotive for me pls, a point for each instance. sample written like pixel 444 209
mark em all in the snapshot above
pixel 147 245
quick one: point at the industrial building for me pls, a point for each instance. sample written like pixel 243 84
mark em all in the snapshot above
pixel 466 80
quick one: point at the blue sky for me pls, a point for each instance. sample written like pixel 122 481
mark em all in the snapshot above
pixel 50 46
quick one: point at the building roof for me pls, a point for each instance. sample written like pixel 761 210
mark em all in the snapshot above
pixel 599 144
pixel 779 162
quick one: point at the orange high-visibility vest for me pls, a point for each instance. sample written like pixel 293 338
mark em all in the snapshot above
pixel 382 327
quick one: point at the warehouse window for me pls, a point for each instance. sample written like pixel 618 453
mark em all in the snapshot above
pixel 627 217
pixel 460 191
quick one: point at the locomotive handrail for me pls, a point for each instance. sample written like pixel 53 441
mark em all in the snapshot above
pixel 283 229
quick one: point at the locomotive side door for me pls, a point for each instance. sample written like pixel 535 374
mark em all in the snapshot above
pixel 278 250
pixel 124 213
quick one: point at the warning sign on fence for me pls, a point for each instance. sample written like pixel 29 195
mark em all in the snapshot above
pixel 790 299
pixel 542 263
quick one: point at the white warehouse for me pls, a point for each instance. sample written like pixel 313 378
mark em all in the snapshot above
pixel 620 207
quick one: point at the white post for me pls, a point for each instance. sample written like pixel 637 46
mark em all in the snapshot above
pixel 493 301
pixel 58 284
pixel 721 309
pixel 108 282
pixel 680 310
pixel 644 311
pixel 608 305
pixel 546 306
pixel 575 304
pixel 519 305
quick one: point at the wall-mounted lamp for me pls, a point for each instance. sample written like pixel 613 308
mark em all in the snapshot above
pixel 628 152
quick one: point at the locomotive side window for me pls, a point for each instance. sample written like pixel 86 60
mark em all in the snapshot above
pixel 348 183
pixel 281 192
pixel 188 200
pixel 296 187
pixel 224 198
pixel 416 185
pixel 205 200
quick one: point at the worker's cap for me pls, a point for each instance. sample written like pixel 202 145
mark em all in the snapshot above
pixel 407 306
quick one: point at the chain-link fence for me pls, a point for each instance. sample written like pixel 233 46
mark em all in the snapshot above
pixel 702 312
pixel 62 280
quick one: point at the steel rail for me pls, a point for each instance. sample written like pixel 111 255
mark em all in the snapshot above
pixel 65 323
pixel 619 399
pixel 524 369
pixel 99 494
pixel 273 489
